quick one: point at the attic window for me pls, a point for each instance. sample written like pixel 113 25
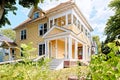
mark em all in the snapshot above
pixel 36 15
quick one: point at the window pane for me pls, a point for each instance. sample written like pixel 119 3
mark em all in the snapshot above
pixel 63 20
pixel 36 15
pixel 41 32
pixel 45 26
pixel 43 48
pixel 40 49
pixel 69 18
pixel 51 23
pixel 74 20
pixel 79 25
pixel 41 27
pixel 56 22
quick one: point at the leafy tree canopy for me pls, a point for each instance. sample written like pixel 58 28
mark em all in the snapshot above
pixel 112 29
pixel 9 33
pixel 7 6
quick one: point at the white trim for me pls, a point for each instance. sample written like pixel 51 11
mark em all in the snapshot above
pixel 38 46
pixel 76 50
pixel 69 47
pixel 57 28
pixel 20 34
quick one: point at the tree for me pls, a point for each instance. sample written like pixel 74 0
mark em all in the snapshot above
pixel 106 67
pixel 7 6
pixel 97 40
pixel 9 33
pixel 112 29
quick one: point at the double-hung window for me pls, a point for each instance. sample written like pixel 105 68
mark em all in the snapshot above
pixel 42 29
pixel 23 34
pixel 41 49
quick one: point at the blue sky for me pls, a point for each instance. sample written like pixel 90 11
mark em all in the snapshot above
pixel 95 11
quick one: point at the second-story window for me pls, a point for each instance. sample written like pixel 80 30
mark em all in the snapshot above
pixel 51 23
pixel 69 18
pixel 79 25
pixel 23 34
pixel 36 15
pixel 42 29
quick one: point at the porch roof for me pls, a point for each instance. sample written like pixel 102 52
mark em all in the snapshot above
pixel 62 33
pixel 61 30
pixel 8 44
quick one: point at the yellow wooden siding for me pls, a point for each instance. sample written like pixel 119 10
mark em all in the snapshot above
pixel 32 33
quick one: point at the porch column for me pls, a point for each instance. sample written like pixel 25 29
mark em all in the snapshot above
pixel 76 50
pixel 83 56
pixel 66 19
pixel 66 48
pixel 56 48
pixel 69 48
pixel 47 48
pixel 9 54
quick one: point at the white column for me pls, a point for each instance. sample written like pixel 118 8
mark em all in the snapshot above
pixel 9 55
pixel 72 18
pixel 47 48
pixel 66 48
pixel 56 49
pixel 66 19
pixel 83 56
pixel 76 50
pixel 69 47
pixel 51 50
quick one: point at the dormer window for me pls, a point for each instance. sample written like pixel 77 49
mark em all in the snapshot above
pixel 36 15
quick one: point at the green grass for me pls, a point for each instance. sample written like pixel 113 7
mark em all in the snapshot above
pixel 63 74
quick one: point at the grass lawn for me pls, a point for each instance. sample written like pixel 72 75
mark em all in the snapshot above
pixel 63 74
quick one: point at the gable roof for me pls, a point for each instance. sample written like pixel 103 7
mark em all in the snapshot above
pixel 60 28
pixel 31 11
pixel 4 38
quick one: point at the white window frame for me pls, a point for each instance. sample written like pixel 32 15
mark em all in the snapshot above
pixel 38 14
pixel 42 49
pixel 24 33
pixel 42 29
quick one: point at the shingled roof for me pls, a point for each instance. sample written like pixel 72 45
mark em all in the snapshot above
pixel 4 38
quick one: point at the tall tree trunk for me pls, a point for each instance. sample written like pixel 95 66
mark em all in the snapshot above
pixel 1 12
pixel 2 9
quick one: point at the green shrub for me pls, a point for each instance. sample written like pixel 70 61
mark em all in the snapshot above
pixel 106 66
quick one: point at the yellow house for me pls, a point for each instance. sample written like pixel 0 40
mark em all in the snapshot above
pixel 59 33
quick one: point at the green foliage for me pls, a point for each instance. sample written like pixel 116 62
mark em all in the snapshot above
pixel 26 69
pixel 7 6
pixel 112 29
pixel 106 67
pixel 9 33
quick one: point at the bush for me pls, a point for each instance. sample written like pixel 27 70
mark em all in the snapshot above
pixel 106 66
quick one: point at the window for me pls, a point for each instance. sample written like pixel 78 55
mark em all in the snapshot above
pixel 79 25
pixel 13 53
pixel 41 49
pixel 36 15
pixel 22 55
pixel 74 20
pixel 69 18
pixel 42 29
pixel 51 23
pixel 23 34
pixel 61 21
pixel 86 32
